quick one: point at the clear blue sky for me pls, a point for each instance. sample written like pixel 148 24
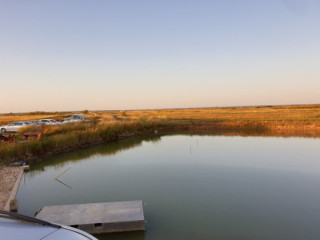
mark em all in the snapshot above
pixel 58 55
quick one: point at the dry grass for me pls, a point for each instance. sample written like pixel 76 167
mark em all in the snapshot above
pixel 307 112
pixel 300 117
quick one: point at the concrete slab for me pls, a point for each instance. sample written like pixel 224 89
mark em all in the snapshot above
pixel 95 218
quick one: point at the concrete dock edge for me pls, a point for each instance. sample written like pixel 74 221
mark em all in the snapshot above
pixel 14 190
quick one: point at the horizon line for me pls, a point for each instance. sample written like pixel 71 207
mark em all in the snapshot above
pixel 154 109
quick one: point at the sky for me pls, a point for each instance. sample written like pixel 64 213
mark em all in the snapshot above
pixel 58 55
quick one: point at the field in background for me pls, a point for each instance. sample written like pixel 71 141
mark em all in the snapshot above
pixel 300 117
pixel 273 118
pixel 272 113
pixel 268 113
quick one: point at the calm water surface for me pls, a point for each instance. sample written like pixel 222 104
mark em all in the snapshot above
pixel 193 187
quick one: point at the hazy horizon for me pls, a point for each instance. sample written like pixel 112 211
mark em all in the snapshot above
pixel 155 109
pixel 107 55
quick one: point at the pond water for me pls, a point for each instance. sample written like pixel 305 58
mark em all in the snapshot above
pixel 193 186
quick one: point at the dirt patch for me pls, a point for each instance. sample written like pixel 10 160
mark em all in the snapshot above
pixel 8 177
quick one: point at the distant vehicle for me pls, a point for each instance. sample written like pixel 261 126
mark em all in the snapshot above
pixel 49 122
pixel 13 127
pixel 75 118
pixel 17 226
pixel 33 122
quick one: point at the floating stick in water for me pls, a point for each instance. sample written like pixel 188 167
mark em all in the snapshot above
pixel 63 173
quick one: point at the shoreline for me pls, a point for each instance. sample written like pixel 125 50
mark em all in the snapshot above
pixel 35 150
pixel 279 121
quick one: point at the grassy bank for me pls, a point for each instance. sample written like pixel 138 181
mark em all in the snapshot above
pixel 72 136
pixel 109 126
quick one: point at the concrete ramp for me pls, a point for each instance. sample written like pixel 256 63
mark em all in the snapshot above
pixel 96 218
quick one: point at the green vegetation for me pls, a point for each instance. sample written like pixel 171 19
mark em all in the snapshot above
pixel 72 136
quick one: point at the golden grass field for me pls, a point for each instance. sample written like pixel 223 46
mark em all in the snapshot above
pixel 300 113
pixel 300 116
pixel 282 118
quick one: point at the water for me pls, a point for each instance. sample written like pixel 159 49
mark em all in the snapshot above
pixel 193 187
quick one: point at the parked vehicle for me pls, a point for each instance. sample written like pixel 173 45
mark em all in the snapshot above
pixel 17 226
pixel 49 122
pixel 75 118
pixel 13 127
pixel 33 122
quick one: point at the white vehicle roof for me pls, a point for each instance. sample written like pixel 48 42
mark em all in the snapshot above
pixel 16 226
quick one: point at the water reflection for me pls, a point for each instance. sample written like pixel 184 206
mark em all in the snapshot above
pixel 111 148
